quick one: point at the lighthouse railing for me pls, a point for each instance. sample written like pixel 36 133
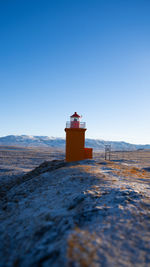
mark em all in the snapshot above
pixel 81 125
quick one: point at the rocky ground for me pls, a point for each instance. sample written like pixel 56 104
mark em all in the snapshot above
pixel 88 213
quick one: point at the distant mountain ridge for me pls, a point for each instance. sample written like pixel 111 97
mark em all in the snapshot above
pixel 45 141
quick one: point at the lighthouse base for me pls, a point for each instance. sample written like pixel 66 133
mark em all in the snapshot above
pixel 75 141
pixel 88 153
pixel 85 153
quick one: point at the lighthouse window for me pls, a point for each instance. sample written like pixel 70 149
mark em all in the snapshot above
pixel 75 119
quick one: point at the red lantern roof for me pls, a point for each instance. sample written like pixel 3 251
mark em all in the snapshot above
pixel 75 115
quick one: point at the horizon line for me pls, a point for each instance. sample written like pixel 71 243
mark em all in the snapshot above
pixel 64 138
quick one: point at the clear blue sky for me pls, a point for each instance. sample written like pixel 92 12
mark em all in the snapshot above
pixel 89 56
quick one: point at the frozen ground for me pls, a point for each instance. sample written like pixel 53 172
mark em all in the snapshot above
pixel 88 213
pixel 16 161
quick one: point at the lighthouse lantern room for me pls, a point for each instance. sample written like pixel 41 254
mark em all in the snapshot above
pixel 75 120
pixel 75 140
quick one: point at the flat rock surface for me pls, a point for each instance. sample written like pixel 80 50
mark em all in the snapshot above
pixel 88 213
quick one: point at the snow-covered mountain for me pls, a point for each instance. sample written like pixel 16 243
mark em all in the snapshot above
pixel 45 141
pixel 32 141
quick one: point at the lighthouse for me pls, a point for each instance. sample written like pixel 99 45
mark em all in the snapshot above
pixel 75 140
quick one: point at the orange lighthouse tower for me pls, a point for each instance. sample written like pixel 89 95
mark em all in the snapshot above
pixel 75 140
